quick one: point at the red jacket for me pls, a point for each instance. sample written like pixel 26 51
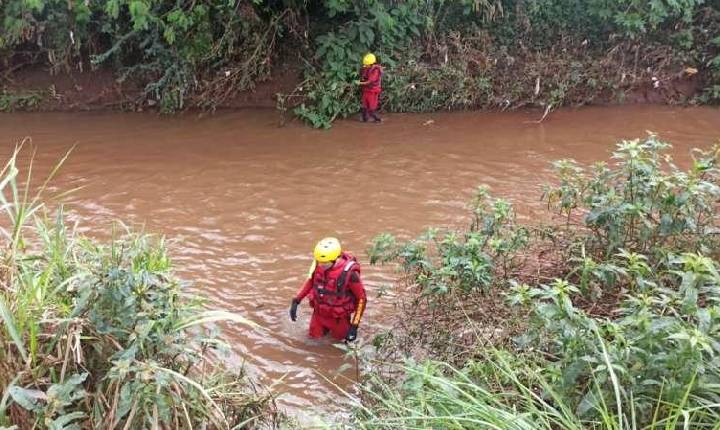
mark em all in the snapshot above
pixel 338 291
pixel 372 75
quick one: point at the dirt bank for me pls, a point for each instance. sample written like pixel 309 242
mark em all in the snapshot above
pixel 102 90
pixel 35 89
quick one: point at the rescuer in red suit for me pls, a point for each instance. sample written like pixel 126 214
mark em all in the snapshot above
pixel 336 293
pixel 371 86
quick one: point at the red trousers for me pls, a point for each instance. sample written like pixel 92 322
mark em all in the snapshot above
pixel 321 325
pixel 370 100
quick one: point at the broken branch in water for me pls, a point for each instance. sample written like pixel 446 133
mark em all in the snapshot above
pixel 547 111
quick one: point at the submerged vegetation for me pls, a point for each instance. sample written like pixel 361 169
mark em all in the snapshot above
pixel 606 317
pixel 102 335
pixel 439 55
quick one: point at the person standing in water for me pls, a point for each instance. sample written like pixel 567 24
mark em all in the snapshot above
pixel 337 294
pixel 371 86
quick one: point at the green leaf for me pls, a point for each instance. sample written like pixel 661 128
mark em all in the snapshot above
pixel 10 326
pixel 126 400
pixel 169 35
pixel 28 399
pixel 69 391
pixel 369 35
pixel 112 8
pixel 139 11
pixel 679 336
pixel 61 422
pixel 37 5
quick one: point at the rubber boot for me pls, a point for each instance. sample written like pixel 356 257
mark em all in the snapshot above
pixel 374 116
pixel 363 115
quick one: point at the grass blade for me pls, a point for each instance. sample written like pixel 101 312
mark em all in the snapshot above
pixel 12 329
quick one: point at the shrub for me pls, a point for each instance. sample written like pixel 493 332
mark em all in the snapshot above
pixel 439 262
pixel 103 335
pixel 439 55
pixel 644 203
pixel 620 323
pixel 199 53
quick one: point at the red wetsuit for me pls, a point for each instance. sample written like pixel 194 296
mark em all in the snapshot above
pixel 371 91
pixel 335 294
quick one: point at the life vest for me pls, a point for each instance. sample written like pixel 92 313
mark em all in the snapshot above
pixel 331 295
pixel 365 76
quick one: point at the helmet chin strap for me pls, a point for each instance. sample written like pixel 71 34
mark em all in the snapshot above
pixel 327 265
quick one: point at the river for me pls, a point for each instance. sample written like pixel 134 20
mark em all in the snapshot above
pixel 245 200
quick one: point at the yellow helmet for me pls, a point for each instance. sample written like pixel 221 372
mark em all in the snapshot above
pixel 327 250
pixel 369 59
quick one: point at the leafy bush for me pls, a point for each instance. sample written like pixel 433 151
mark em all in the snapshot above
pixel 328 91
pixel 649 283
pixel 644 202
pixel 504 54
pixel 200 52
pixel 660 342
pixel 438 55
pixel 438 263
pixel 102 335
pixel 391 30
pixel 621 324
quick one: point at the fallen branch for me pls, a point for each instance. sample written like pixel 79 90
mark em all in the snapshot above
pixel 547 111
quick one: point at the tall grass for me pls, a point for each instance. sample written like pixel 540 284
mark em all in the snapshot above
pixel 102 335
pixel 504 394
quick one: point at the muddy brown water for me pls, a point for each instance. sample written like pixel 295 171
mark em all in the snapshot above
pixel 245 200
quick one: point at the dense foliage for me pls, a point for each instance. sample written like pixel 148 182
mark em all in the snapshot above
pixel 616 325
pixel 103 336
pixel 506 54
pixel 201 51
pixel 437 54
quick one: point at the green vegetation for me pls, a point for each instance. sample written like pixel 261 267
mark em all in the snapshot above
pixel 102 335
pixel 608 317
pixel 10 101
pixel 199 52
pixel 443 55
pixel 439 55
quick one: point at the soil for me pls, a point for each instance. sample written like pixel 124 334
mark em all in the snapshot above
pixel 100 90
pixel 97 90
pixel 263 95
pixel 678 90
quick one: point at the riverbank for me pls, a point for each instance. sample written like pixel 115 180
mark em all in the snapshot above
pixel 437 55
pixel 102 334
pixel 601 313
pixel 36 90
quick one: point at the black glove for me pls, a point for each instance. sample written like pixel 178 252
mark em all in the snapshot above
pixel 293 309
pixel 352 333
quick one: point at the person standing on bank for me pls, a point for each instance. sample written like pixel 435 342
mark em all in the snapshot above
pixel 336 293
pixel 371 85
